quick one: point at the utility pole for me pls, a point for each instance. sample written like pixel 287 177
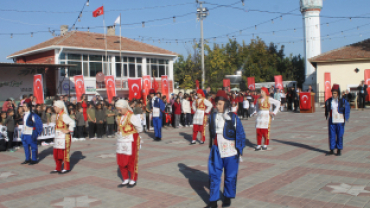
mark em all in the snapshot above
pixel 202 12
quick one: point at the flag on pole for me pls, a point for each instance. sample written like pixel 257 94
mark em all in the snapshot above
pixel 38 88
pixel 118 21
pixel 99 11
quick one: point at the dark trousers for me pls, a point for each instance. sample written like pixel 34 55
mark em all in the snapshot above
pixel 99 130
pixel 10 137
pixel 240 109
pixel 188 119
pixel 245 112
pixel 79 132
pixel 361 101
pixel 91 129
pixel 110 129
pixel 2 145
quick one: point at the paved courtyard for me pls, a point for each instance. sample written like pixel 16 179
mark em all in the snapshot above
pixel 294 172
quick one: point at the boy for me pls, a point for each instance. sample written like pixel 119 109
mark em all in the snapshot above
pixel 110 113
pixel 10 125
pixel 245 107
pixel 80 123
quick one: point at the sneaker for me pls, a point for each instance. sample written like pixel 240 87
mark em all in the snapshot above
pixel 44 144
pixel 17 147
pixel 81 139
pixel 12 150
pixel 51 143
pixel 193 142
pixel 191 125
pixel 74 140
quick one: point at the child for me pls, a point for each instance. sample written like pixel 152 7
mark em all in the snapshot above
pixel 80 123
pixel 245 108
pixel 234 108
pixel 186 109
pixel 43 114
pixel 10 124
pixel 92 120
pixel 110 120
pixel 100 118
pixel 168 112
pixel 48 115
pixel 72 114
pixel 3 118
pixel 177 111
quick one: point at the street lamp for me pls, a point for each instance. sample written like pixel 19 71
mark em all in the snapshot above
pixel 202 12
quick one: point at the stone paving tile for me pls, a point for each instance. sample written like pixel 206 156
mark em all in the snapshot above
pixel 172 173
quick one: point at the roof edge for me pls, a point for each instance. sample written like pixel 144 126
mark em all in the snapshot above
pixel 339 60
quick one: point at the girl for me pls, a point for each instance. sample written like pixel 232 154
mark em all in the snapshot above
pixel 92 121
pixel 234 107
pixel 3 118
pixel 48 115
pixel 177 111
pixel 72 114
pixel 80 123
pixel 110 120
pixel 100 118
pixel 245 108
pixel 168 111
pixel 185 105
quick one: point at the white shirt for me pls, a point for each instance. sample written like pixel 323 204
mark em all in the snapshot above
pixel 207 103
pixel 185 106
pixel 220 123
pixel 245 104
pixel 25 117
pixel 334 104
pixel 272 101
pixel 135 121
pixel 68 121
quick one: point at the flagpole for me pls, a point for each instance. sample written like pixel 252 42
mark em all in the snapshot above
pixel 120 53
pixel 105 37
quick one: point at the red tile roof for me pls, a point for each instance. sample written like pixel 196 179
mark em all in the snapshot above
pixel 89 40
pixel 354 52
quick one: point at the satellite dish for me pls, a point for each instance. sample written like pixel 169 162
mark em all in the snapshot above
pixel 100 77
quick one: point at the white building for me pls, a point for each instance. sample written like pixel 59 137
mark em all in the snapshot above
pixel 88 52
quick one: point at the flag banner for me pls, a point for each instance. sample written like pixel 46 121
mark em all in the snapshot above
pixel 197 84
pixel 165 87
pixel 99 11
pixel 226 83
pixel 146 86
pixel 110 85
pixel 79 86
pixel 251 83
pixel 134 88
pixel 47 133
pixel 118 21
pixel 327 85
pixel 305 100
pixel 155 85
pixel 279 82
pixel 367 82
pixel 38 88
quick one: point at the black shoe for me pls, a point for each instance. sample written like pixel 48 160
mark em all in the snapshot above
pixel 330 153
pixel 64 172
pixel 33 162
pixel 264 148
pixel 131 186
pixel 54 171
pixel 122 185
pixel 192 142
pixel 212 204
pixel 201 142
pixel 257 149
pixel 26 162
pixel 339 153
pixel 226 202
pixel 157 139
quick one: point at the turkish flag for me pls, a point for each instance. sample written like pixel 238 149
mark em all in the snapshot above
pixel 155 85
pixel 197 84
pixel 327 85
pixel 79 86
pixel 305 100
pixel 146 87
pixel 110 85
pixel 165 87
pixel 38 88
pixel 367 82
pixel 226 83
pixel 134 88
pixel 99 11
pixel 279 82
pixel 251 83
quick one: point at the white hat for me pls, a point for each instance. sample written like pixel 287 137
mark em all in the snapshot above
pixel 123 104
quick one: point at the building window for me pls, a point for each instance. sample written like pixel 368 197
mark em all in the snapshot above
pixel 157 67
pixel 128 67
pixel 87 65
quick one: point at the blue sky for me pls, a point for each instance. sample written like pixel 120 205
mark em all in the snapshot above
pixel 221 20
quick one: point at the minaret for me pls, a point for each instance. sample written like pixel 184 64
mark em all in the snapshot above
pixel 310 10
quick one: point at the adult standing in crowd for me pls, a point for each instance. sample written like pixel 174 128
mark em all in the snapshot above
pixel 362 93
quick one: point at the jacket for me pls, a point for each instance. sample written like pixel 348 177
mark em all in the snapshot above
pixel 231 132
pixel 177 108
pixel 37 125
pixel 343 108
pixel 158 103
pixel 185 106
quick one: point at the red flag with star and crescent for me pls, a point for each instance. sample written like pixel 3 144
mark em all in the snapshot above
pixel 251 83
pixel 146 86
pixel 305 100
pixel 367 82
pixel 155 85
pixel 327 85
pixel 79 86
pixel 134 88
pixel 38 88
pixel 165 87
pixel 110 85
pixel 99 11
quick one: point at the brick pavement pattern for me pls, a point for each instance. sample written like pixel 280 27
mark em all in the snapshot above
pixel 294 172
